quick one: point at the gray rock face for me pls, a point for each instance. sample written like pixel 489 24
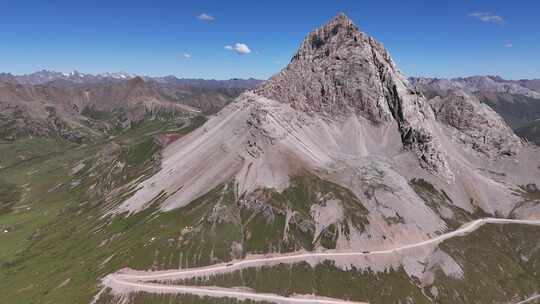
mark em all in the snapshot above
pixel 478 125
pixel 333 72
pixel 339 70
pixel 515 101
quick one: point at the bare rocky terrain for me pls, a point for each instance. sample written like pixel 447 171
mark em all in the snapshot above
pixel 518 102
pixel 303 119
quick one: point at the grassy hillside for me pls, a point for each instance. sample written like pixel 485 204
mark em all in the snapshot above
pixel 54 195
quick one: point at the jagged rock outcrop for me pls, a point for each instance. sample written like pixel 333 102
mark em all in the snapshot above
pixel 518 102
pixel 338 70
pixel 476 124
pixel 333 72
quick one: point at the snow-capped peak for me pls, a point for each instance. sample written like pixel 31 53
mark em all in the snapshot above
pixel 117 75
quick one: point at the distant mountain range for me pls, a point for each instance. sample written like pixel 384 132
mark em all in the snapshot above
pixel 45 76
pixel 79 106
pixel 482 84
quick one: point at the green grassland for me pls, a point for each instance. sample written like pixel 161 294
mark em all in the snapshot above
pixel 54 216
pixel 501 264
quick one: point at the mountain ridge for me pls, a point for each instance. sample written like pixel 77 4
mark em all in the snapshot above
pixel 518 102
pixel 79 107
pixel 75 77
pixel 474 84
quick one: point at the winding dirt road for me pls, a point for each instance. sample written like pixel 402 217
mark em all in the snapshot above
pixel 127 280
pixel 530 300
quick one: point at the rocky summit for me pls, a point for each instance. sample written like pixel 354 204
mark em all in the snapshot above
pixel 338 70
pixel 342 111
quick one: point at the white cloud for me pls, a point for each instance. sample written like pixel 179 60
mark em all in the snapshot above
pixel 487 17
pixel 239 48
pixel 186 55
pixel 206 17
pixel 509 45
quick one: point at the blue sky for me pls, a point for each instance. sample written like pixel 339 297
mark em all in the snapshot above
pixel 425 37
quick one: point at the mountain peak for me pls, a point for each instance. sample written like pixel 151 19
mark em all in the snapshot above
pixel 339 32
pixel 341 18
pixel 339 71
pixel 336 70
